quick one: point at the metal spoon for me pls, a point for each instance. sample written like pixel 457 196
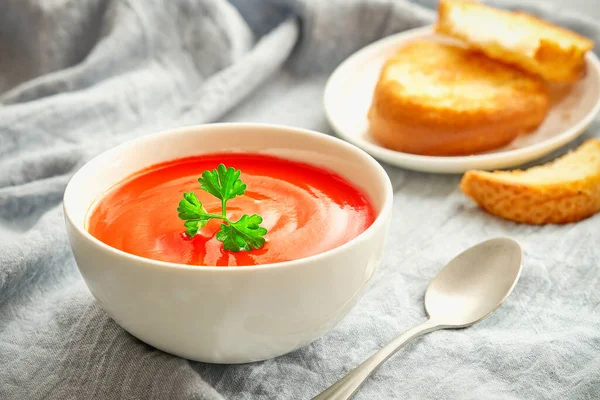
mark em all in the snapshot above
pixel 472 286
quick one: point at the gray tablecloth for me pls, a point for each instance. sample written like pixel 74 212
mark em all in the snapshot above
pixel 79 76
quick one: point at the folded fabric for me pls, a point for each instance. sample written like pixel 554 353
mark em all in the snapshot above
pixel 79 77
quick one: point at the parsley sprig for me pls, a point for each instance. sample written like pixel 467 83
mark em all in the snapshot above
pixel 225 184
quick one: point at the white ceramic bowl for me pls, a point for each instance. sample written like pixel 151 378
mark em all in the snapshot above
pixel 220 314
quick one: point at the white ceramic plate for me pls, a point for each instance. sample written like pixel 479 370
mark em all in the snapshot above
pixel 349 92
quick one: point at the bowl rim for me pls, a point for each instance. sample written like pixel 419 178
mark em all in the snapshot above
pixel 379 222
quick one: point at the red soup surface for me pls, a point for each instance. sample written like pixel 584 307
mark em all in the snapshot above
pixel 306 210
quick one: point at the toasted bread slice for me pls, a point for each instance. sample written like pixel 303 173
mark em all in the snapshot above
pixel 554 53
pixel 565 190
pixel 439 99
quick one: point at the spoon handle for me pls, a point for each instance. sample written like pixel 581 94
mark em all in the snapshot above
pixel 349 384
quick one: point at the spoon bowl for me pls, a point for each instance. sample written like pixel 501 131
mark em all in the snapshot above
pixel 474 284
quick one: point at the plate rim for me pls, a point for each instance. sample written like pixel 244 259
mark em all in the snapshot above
pixel 450 164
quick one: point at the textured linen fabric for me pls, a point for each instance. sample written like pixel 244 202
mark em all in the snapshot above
pixel 79 76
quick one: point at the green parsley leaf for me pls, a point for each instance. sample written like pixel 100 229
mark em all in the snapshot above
pixel 223 183
pixel 193 226
pixel 190 207
pixel 245 234
pixel 192 210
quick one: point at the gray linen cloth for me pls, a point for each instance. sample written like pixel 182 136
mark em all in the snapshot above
pixel 79 76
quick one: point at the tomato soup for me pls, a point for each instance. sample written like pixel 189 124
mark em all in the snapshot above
pixel 306 210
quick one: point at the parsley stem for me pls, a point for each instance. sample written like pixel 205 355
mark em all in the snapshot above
pixel 212 216
pixel 223 208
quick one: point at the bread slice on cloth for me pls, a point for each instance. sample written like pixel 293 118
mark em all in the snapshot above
pixel 565 190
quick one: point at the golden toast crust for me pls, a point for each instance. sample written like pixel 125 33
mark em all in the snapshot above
pixel 440 99
pixel 552 52
pixel 565 190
